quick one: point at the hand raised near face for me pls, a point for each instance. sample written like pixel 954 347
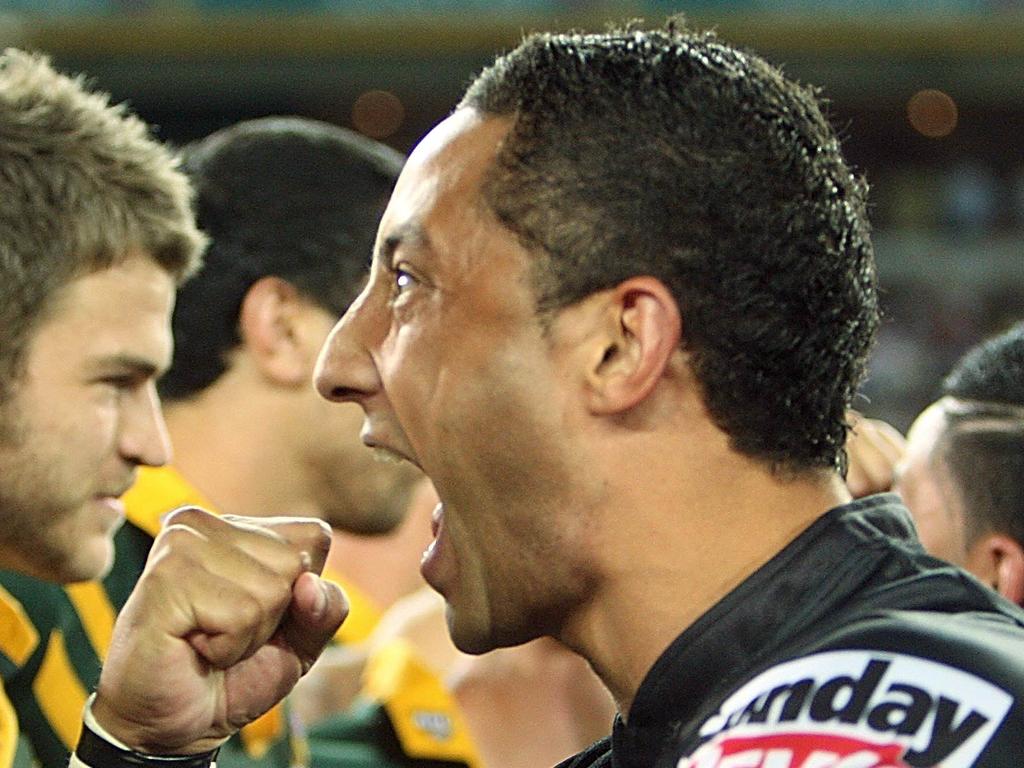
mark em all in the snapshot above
pixel 874 448
pixel 228 614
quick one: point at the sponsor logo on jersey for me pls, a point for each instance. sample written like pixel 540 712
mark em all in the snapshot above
pixel 795 750
pixel 437 724
pixel 854 709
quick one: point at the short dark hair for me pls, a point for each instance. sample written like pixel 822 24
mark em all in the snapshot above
pixel 289 197
pixel 982 444
pixel 992 371
pixel 668 153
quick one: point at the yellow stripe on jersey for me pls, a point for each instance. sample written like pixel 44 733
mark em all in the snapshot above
pixel 363 613
pixel 18 637
pixel 424 715
pixel 95 612
pixel 8 731
pixel 60 695
pixel 157 491
pixel 260 735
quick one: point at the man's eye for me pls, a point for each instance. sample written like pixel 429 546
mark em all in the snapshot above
pixel 403 280
pixel 125 383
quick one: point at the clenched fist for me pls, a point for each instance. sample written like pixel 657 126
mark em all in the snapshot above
pixel 228 614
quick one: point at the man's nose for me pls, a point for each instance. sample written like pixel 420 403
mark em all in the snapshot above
pixel 144 438
pixel 345 370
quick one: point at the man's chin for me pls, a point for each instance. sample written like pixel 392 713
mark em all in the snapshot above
pixel 471 640
pixel 89 568
pixel 91 559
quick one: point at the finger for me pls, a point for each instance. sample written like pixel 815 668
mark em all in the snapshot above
pixel 246 534
pixel 890 441
pixel 226 602
pixel 238 575
pixel 233 622
pixel 873 450
pixel 317 609
pixel 306 535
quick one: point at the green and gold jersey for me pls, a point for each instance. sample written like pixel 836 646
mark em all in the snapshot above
pixel 404 718
pixel 19 641
pixel 53 641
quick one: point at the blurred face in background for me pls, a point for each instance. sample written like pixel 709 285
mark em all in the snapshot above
pixel 358 490
pixel 928 491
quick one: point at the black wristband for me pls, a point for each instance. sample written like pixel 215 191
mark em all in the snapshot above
pixel 97 752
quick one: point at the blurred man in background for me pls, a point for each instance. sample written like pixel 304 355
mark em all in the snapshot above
pixel 960 472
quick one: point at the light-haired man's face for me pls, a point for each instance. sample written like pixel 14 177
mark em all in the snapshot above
pixel 83 414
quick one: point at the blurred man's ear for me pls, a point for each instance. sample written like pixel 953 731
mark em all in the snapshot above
pixel 998 560
pixel 268 324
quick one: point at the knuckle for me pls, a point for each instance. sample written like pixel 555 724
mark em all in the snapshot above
pixel 188 515
pixel 176 539
pixel 272 593
pixel 250 610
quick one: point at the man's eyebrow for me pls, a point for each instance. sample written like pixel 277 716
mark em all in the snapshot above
pixel 408 235
pixel 139 366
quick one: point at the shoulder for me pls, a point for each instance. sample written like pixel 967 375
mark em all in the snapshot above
pixel 909 688
pixel 986 643
pixel 404 711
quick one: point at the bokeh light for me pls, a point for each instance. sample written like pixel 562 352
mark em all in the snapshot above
pixel 377 114
pixel 932 113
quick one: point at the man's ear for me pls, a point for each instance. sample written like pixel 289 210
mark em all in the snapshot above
pixel 998 560
pixel 641 332
pixel 268 325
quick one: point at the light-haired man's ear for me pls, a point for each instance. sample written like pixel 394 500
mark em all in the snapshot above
pixel 641 332
pixel 998 560
pixel 269 326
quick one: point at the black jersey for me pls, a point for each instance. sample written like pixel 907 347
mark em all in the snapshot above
pixel 851 648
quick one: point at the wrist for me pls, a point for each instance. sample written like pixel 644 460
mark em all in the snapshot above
pixel 97 748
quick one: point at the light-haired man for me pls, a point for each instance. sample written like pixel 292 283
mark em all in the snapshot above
pixel 96 232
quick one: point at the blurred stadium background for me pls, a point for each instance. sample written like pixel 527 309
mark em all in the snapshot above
pixel 928 94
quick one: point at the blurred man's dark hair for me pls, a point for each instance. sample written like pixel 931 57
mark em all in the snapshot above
pixel 267 196
pixel 983 443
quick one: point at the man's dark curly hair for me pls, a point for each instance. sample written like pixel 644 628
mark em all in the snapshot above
pixel 289 197
pixel 667 153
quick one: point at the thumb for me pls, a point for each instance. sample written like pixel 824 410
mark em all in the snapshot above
pixel 317 610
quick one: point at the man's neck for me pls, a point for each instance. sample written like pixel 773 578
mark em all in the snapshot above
pixel 236 452
pixel 709 537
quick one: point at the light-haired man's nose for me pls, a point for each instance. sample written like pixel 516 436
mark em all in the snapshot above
pixel 143 437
